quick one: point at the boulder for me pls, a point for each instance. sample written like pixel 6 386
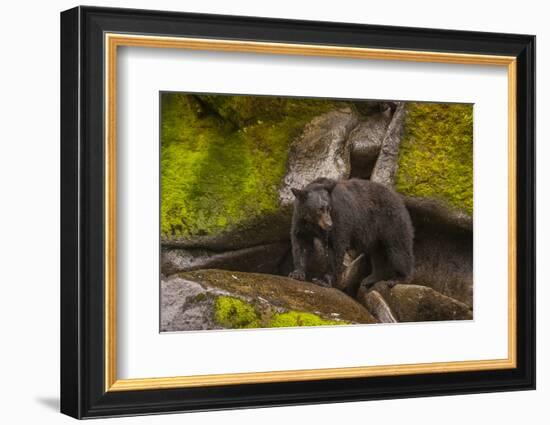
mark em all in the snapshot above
pixel 416 303
pixel 267 229
pixel 221 299
pixel 258 259
pixel 435 213
pixel 322 150
pixel 365 140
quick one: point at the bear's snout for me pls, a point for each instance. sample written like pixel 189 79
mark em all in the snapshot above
pixel 325 222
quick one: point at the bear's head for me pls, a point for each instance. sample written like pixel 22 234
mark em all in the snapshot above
pixel 313 203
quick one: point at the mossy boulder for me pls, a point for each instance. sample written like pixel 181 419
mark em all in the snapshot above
pixel 221 299
pixel 228 163
pixel 436 154
pixel 223 159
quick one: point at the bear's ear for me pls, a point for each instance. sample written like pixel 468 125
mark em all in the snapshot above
pixel 327 184
pixel 299 194
pixel 330 185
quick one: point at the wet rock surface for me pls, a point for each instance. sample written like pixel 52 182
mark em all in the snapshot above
pixel 184 306
pixel 220 299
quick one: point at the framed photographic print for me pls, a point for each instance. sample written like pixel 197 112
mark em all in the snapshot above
pixel 261 212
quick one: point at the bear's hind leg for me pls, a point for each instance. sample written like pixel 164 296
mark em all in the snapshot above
pixel 380 269
pixel 393 266
pixel 400 261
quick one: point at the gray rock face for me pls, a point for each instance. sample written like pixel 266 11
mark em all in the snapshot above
pixel 366 140
pixel 221 299
pixel 184 306
pixel 323 150
pixel 256 259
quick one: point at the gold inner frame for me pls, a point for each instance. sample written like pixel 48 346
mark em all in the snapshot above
pixel 113 41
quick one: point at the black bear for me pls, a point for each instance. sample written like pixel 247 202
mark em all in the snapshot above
pixel 358 215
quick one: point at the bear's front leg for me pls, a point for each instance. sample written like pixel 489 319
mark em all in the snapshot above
pixel 337 254
pixel 298 275
pixel 299 256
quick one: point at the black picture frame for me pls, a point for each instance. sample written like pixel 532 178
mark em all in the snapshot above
pixel 83 392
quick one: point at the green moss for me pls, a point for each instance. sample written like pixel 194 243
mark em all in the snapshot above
pixel 233 313
pixel 436 154
pixel 223 158
pixel 297 318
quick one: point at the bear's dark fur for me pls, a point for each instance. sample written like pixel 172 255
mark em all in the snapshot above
pixel 357 215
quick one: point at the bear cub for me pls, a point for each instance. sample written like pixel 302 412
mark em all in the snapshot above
pixel 357 215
